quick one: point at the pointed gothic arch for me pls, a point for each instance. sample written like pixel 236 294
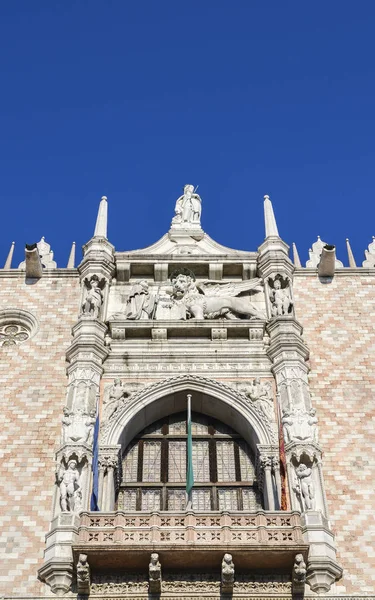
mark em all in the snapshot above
pixel 210 397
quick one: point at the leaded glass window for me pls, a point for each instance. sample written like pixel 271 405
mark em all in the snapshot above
pixel 154 468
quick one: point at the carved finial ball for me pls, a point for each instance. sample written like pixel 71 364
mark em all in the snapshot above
pixel 104 198
pixel 318 237
pixel 266 197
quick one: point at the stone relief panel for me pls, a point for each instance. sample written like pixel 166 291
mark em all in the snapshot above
pixel 192 583
pixel 261 396
pixel 183 297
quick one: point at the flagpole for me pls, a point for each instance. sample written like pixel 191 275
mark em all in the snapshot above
pixel 189 473
pixel 94 500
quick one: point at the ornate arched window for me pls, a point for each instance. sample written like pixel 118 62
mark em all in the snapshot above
pixel 154 468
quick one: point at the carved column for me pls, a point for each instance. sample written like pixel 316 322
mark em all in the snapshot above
pixel 268 481
pixel 303 454
pixel 109 464
pixel 85 357
pixel 289 354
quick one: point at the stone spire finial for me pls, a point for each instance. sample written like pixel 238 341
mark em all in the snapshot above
pixel 269 219
pixel 350 254
pixel 72 256
pixel 101 221
pixel 296 260
pixel 8 262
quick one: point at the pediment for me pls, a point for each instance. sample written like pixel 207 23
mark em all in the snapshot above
pixel 185 243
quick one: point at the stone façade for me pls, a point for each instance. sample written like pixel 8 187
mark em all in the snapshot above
pixel 336 315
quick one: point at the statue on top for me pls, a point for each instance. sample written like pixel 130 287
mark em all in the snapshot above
pixel 188 208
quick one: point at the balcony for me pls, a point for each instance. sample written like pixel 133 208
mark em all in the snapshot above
pixel 190 540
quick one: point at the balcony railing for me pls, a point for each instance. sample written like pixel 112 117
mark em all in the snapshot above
pixel 277 535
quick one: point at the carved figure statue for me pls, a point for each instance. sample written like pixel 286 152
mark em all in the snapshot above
pixel 280 300
pixel 287 421
pixel 299 569
pixel 261 393
pixel 66 422
pixel 154 574
pixel 227 573
pixel 94 297
pixel 140 304
pixel 90 424
pixel 212 299
pixel 83 575
pixel 69 483
pixel 188 207
pixel 305 487
pixel 313 425
pixel 116 397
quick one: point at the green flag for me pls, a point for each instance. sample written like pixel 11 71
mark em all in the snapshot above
pixel 190 473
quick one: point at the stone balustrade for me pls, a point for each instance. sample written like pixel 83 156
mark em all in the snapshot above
pixel 261 528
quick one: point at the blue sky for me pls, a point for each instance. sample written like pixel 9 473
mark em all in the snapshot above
pixel 134 99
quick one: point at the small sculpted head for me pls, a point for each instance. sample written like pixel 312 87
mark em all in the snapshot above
pixel 72 464
pixel 299 558
pixel 117 382
pixel 154 558
pixel 181 283
pixel 277 284
pixel 227 558
pixel 82 559
pixel 301 468
pixel 94 281
pixel 188 188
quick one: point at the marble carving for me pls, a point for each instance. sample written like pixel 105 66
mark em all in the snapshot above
pixel 280 298
pixel 78 425
pixel 304 487
pixel 227 574
pixel 185 298
pixel 70 489
pixel 154 574
pixel 114 399
pixel 94 297
pixel 188 208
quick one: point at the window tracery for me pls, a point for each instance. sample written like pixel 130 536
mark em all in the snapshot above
pixel 16 327
pixel 154 468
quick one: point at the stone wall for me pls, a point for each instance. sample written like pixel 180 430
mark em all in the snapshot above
pixel 33 382
pixel 339 328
